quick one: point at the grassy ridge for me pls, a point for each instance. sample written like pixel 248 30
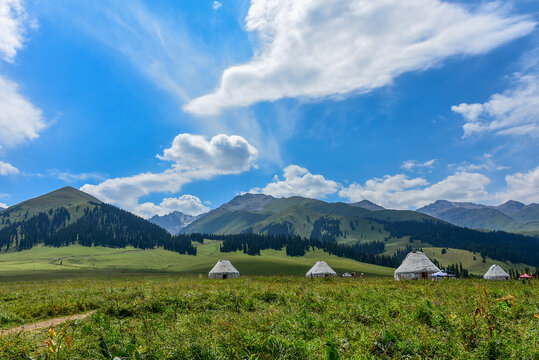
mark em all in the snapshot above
pixel 273 318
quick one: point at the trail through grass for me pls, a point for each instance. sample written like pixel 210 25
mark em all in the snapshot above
pixel 190 317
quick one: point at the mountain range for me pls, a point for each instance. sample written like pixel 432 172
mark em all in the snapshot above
pixel 511 216
pixel 299 216
pixel 68 216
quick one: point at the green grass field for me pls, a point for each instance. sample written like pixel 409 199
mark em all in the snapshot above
pixel 190 317
pixel 72 260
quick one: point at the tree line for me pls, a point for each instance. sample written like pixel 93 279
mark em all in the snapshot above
pixel 252 244
pixel 498 245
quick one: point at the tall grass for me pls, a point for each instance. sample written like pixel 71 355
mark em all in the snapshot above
pixel 273 318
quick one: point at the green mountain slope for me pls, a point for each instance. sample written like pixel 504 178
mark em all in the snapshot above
pixel 346 223
pixel 73 200
pixel 69 216
pixel 528 214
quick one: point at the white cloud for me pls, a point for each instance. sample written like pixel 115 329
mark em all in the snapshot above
pixel 194 158
pixel 216 5
pixel 299 182
pixel 187 204
pixel 3 205
pixel 317 48
pixel 7 169
pixel 411 164
pixel 13 21
pixel 19 119
pixel 514 112
pixel 399 191
pixel 521 187
pixel 229 154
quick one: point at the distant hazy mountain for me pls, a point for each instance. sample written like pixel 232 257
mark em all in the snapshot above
pixel 366 204
pixel 174 222
pixel 511 216
pixel 511 207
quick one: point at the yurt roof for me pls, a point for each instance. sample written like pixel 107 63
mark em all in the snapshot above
pixel 224 267
pixel 416 262
pixel 496 270
pixel 321 267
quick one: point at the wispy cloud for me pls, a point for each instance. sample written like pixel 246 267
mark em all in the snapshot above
pixel 158 45
pixel 68 176
pixel 325 48
pixel 413 164
pixel 487 164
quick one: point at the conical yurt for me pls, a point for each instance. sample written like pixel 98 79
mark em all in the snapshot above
pixel 495 272
pixel 416 265
pixel 223 270
pixel 321 269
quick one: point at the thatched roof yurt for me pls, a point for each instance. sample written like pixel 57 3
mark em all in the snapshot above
pixel 321 269
pixel 495 272
pixel 223 270
pixel 416 265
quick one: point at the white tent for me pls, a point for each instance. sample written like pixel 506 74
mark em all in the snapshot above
pixel 416 265
pixel 495 272
pixel 440 274
pixel 321 269
pixel 223 270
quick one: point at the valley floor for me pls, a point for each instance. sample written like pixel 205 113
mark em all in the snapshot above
pixel 75 260
pixel 192 317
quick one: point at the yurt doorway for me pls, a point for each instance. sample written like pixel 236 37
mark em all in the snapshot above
pixel 424 275
pixel 225 276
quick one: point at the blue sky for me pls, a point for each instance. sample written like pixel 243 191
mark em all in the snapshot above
pixel 165 105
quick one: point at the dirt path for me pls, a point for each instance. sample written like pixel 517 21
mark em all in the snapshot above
pixel 45 324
